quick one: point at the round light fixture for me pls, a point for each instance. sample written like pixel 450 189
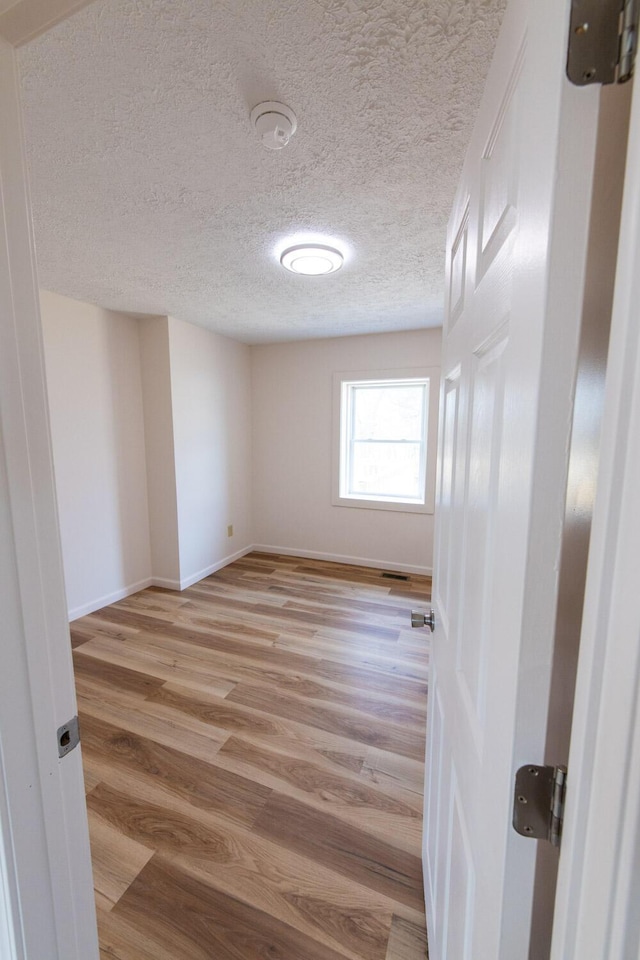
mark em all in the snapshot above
pixel 312 259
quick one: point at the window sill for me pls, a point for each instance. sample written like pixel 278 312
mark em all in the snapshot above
pixel 392 506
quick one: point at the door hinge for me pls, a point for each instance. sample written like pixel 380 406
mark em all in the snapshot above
pixel 68 736
pixel 538 802
pixel 603 36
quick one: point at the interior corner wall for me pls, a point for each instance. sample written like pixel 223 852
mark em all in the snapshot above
pixel 155 361
pixel 211 403
pixel 292 453
pixel 165 434
pixel 92 364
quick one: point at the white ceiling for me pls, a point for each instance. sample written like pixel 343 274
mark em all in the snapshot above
pixel 151 193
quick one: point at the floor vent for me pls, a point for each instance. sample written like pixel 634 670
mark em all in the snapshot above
pixel 395 576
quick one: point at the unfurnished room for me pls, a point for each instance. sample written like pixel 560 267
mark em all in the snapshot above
pixel 319 443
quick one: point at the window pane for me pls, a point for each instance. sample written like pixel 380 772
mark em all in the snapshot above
pixel 385 469
pixel 388 413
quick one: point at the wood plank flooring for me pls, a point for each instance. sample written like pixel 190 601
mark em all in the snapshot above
pixel 253 752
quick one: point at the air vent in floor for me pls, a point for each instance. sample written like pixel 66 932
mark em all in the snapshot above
pixel 395 576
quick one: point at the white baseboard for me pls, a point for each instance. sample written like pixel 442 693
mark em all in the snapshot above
pixel 167 584
pixel 76 612
pixel 207 571
pixel 353 561
pixel 108 598
pixel 93 605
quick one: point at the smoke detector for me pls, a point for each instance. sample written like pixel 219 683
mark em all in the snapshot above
pixel 275 123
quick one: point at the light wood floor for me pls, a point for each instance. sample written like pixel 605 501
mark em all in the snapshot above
pixel 253 752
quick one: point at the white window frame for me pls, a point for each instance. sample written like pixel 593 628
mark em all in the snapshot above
pixel 341 380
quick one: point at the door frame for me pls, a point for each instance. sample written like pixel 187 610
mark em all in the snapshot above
pixel 47 910
pixel 599 877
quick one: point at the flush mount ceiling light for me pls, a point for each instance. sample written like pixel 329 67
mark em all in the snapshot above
pixel 312 259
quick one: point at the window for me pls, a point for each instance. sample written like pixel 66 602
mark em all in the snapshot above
pixel 383 440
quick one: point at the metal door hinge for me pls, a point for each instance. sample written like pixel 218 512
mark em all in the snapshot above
pixel 538 802
pixel 603 37
pixel 68 736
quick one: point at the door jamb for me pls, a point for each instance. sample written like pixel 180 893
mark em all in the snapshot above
pixel 46 886
pixel 596 903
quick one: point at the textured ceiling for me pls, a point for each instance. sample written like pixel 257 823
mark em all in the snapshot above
pixel 151 193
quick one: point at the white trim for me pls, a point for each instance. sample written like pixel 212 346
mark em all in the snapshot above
pixel 44 836
pixel 375 503
pixel 597 899
pixel 104 601
pixel 218 565
pixel 339 558
pixel 164 583
pixel 9 892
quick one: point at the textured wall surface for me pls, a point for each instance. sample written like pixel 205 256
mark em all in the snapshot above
pixel 152 195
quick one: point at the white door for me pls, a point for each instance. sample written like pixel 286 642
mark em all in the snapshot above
pixel 515 271
pixel 46 891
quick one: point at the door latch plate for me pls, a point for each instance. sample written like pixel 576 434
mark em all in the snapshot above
pixel 68 736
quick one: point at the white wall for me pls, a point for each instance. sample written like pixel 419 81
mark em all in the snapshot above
pixel 211 395
pixel 165 433
pixel 95 398
pixel 159 443
pixel 292 445
pixel 151 434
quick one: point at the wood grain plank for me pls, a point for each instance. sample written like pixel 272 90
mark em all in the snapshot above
pixel 198 922
pixel 156 663
pixel 309 778
pixel 200 663
pixel 349 851
pixel 117 860
pixel 188 736
pixel 256 726
pixel 400 773
pixel 335 621
pixel 322 749
pixel 316 902
pixel 80 634
pixel 345 603
pixel 110 675
pixel 382 707
pixel 90 779
pixel 215 627
pixel 258 868
pixel 124 940
pixel 407 940
pixel 347 798
pixel 196 781
pixel 346 723
pixel 369 655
